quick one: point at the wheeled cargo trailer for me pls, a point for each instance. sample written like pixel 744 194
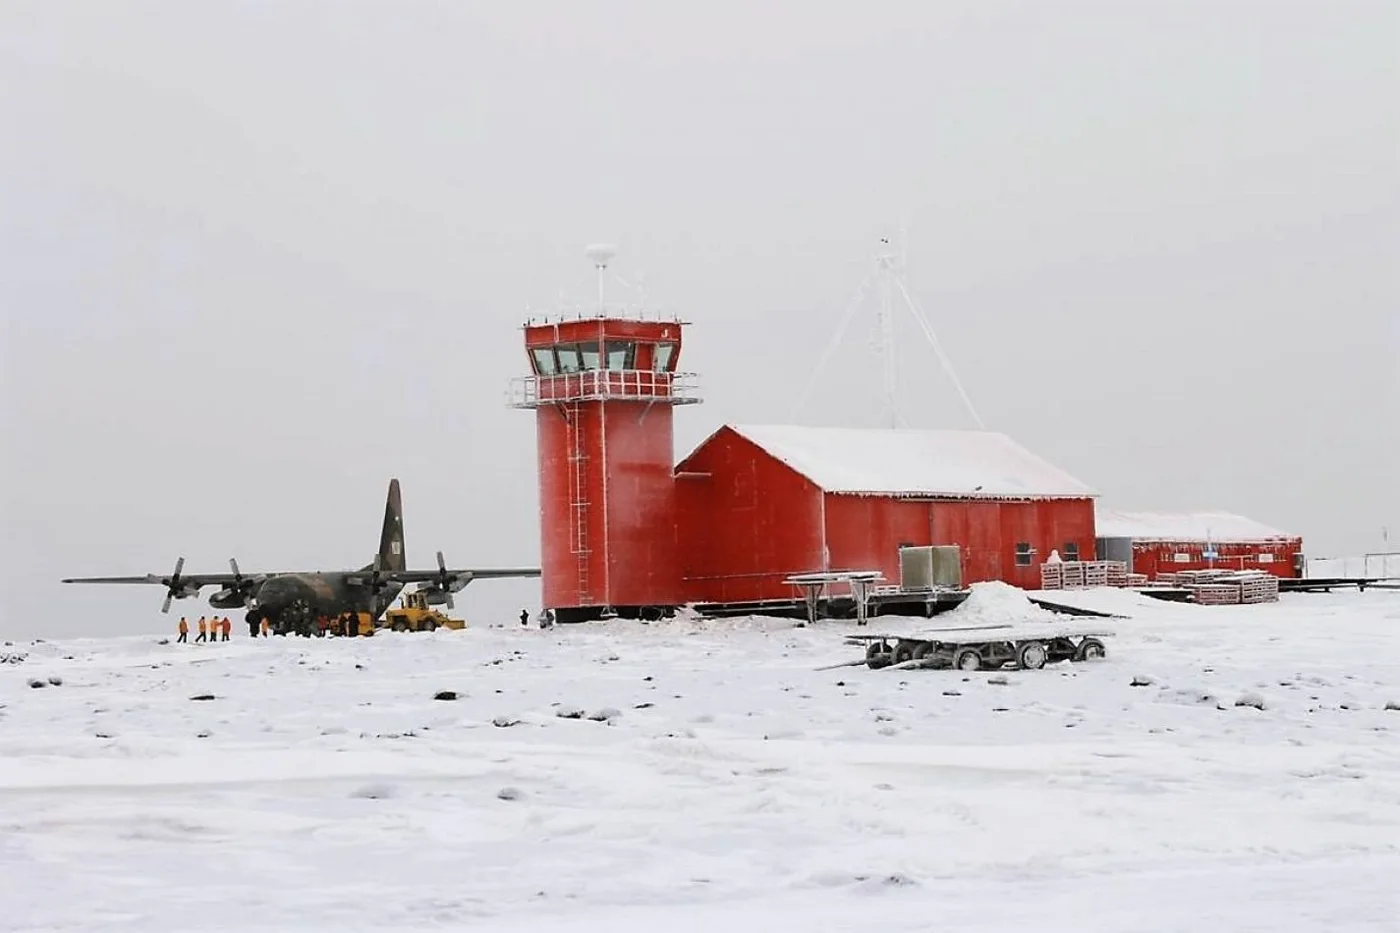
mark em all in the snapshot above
pixel 985 648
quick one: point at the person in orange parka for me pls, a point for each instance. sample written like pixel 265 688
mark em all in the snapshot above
pixel 203 630
pixel 227 627
pixel 184 631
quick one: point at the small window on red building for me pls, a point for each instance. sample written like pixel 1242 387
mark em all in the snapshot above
pixel 661 362
pixel 622 354
pixel 569 358
pixel 545 363
pixel 1071 550
pixel 1023 554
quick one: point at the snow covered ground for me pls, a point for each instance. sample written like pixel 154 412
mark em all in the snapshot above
pixel 728 786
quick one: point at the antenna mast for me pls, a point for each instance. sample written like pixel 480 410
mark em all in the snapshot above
pixel 885 263
pixel 890 275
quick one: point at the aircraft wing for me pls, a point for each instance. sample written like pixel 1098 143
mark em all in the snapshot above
pixel 191 581
pixel 477 573
pixel 179 584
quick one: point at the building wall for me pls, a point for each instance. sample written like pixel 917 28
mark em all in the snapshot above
pixel 865 532
pixel 627 511
pixel 642 565
pixel 746 525
pixel 1154 557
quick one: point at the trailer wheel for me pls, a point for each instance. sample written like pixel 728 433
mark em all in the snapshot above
pixel 903 652
pixel 967 659
pixel 877 655
pixel 1031 656
pixel 1090 649
pixel 923 650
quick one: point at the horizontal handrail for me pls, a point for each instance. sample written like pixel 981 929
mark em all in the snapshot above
pixel 535 390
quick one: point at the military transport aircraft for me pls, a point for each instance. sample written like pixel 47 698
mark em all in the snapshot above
pixel 288 599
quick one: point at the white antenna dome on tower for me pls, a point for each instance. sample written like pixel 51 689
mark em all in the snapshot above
pixel 600 253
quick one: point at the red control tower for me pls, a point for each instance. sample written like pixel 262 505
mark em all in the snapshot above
pixel 602 386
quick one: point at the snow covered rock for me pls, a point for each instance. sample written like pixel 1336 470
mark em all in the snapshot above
pixel 376 791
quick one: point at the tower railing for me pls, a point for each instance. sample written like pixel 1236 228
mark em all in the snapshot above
pixel 640 385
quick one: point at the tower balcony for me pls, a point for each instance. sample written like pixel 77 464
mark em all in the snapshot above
pixel 593 385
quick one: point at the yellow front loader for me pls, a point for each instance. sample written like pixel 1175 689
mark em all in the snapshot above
pixel 413 614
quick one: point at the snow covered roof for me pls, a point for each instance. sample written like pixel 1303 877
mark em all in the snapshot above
pixel 1190 526
pixel 872 461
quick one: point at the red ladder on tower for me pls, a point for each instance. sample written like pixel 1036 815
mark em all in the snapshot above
pixel 578 501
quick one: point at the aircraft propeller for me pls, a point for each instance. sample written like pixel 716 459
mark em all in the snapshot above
pixel 448 583
pixel 374 583
pixel 173 588
pixel 241 585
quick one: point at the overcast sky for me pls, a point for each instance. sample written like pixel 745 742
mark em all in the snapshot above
pixel 256 258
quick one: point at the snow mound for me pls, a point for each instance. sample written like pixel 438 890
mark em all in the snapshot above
pixel 996 603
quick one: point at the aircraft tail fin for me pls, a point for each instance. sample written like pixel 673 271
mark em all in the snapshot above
pixel 391 554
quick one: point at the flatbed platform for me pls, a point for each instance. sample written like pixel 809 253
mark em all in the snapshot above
pixel 1328 584
pixel 982 647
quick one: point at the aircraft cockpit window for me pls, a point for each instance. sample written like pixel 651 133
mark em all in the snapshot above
pixel 662 359
pixel 622 354
pixel 591 357
pixel 568 358
pixel 545 364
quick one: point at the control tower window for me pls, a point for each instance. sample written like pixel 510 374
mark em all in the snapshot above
pixel 545 364
pixel 622 354
pixel 591 357
pixel 568 358
pixel 662 360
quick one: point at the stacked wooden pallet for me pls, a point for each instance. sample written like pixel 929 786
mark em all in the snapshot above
pixel 1216 594
pixel 1080 574
pixel 1257 587
pixel 1228 587
pixel 1200 577
pixel 1074 574
pixel 1134 579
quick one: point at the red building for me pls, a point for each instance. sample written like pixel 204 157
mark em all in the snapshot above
pixel 1154 542
pixel 758 503
pixel 602 389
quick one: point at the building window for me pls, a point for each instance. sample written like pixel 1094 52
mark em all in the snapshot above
pixel 662 360
pixel 569 358
pixel 545 364
pixel 1071 550
pixel 1023 554
pixel 622 354
pixel 1266 558
pixel 1181 558
pixel 592 357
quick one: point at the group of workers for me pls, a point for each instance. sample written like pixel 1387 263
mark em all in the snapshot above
pixel 345 624
pixel 217 629
pixel 209 629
